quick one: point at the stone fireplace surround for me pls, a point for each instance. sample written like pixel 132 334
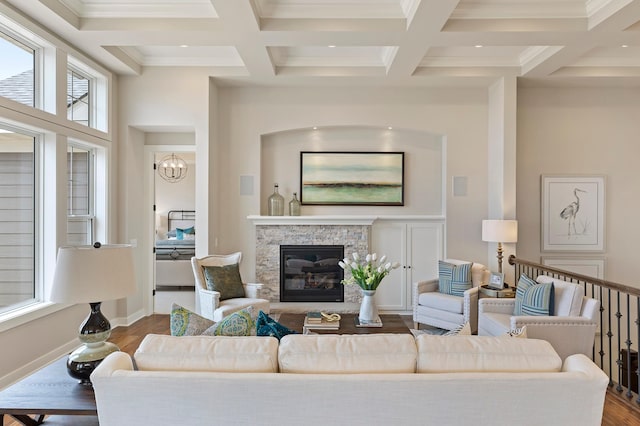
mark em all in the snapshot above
pixel 272 231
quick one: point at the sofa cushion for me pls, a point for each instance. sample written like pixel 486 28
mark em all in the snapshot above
pixel 183 322
pixel 224 279
pixel 208 353
pixel 454 279
pixel 439 354
pixel 334 354
pixel 568 296
pixel 441 302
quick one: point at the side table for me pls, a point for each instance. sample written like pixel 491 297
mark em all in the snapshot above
pixel 49 391
pixel 509 292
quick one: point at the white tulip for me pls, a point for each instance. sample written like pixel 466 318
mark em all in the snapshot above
pixel 395 265
pixel 355 257
pixel 383 258
pixel 387 266
pixel 354 265
pixel 374 256
pixel 380 269
pixel 346 260
pixel 368 258
pixel 341 264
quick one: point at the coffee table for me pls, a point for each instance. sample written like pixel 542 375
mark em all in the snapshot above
pixel 52 392
pixel 391 323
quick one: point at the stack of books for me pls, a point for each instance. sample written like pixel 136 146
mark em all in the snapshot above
pixel 314 318
pixel 316 321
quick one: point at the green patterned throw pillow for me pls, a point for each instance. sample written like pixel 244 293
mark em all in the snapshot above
pixel 240 323
pixel 183 322
pixel 225 280
pixel 454 279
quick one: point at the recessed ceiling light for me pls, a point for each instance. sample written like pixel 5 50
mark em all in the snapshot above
pixel 184 45
pixel 625 45
pixel 478 45
pixel 390 128
pixel 332 45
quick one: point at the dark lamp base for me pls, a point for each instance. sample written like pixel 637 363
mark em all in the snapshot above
pixel 82 370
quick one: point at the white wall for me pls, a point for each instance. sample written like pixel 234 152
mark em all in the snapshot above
pixel 582 131
pixel 247 115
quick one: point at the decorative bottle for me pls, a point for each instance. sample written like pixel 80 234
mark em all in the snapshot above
pixel 294 205
pixel 276 203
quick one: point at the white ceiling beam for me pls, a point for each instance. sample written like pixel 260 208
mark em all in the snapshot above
pixel 241 20
pixel 428 19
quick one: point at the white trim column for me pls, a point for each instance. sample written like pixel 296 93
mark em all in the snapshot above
pixel 502 103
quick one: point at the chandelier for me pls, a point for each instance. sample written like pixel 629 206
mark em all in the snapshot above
pixel 172 168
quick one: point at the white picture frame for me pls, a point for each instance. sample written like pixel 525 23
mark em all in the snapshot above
pixel 589 266
pixel 572 213
pixel 496 280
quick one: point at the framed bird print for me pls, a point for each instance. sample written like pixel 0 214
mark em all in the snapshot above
pixel 572 215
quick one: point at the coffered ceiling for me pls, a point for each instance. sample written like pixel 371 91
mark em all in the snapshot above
pixel 358 42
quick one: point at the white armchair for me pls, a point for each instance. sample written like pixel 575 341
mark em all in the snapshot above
pixel 208 303
pixel 570 331
pixel 446 311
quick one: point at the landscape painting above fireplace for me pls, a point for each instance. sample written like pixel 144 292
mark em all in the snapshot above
pixel 352 178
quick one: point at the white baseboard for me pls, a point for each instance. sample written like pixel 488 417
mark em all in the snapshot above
pixel 38 363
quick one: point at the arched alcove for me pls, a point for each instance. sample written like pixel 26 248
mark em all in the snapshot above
pixel 424 165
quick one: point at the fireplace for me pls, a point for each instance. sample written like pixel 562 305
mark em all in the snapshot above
pixel 310 273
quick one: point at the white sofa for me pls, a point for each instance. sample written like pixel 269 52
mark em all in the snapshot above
pixel 571 330
pixel 377 379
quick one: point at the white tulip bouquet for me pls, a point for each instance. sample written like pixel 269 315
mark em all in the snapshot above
pixel 367 272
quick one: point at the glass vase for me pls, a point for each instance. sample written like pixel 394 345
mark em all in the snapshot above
pixel 275 203
pixel 294 206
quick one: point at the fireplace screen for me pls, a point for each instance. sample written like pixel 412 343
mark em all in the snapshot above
pixel 310 273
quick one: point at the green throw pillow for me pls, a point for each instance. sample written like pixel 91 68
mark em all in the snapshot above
pixel 183 322
pixel 240 323
pixel 225 280
pixel 267 326
pixel 533 298
pixel 454 279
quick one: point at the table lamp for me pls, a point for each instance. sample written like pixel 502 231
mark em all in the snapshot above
pixel 500 231
pixel 92 274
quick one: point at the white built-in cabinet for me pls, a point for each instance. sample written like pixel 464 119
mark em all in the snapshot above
pixel 417 245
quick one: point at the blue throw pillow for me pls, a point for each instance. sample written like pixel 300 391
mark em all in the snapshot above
pixel 533 298
pixel 180 232
pixel 267 326
pixel 454 279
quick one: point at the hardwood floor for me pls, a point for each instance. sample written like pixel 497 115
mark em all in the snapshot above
pixel 617 411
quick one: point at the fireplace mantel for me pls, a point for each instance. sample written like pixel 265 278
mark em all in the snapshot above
pixel 335 219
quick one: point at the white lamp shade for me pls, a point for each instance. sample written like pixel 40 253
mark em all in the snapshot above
pixel 85 274
pixel 500 231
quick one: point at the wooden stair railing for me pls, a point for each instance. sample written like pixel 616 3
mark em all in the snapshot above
pixel 618 333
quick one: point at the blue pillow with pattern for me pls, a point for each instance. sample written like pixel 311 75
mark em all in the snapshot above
pixel 533 298
pixel 454 279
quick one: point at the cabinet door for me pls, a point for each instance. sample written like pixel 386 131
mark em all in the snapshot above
pixel 425 248
pixel 390 239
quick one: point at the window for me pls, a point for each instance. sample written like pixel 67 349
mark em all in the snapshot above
pixel 78 97
pixel 17 74
pixel 79 195
pixel 17 220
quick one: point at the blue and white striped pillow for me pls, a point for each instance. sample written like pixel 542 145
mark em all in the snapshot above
pixel 454 279
pixel 533 298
